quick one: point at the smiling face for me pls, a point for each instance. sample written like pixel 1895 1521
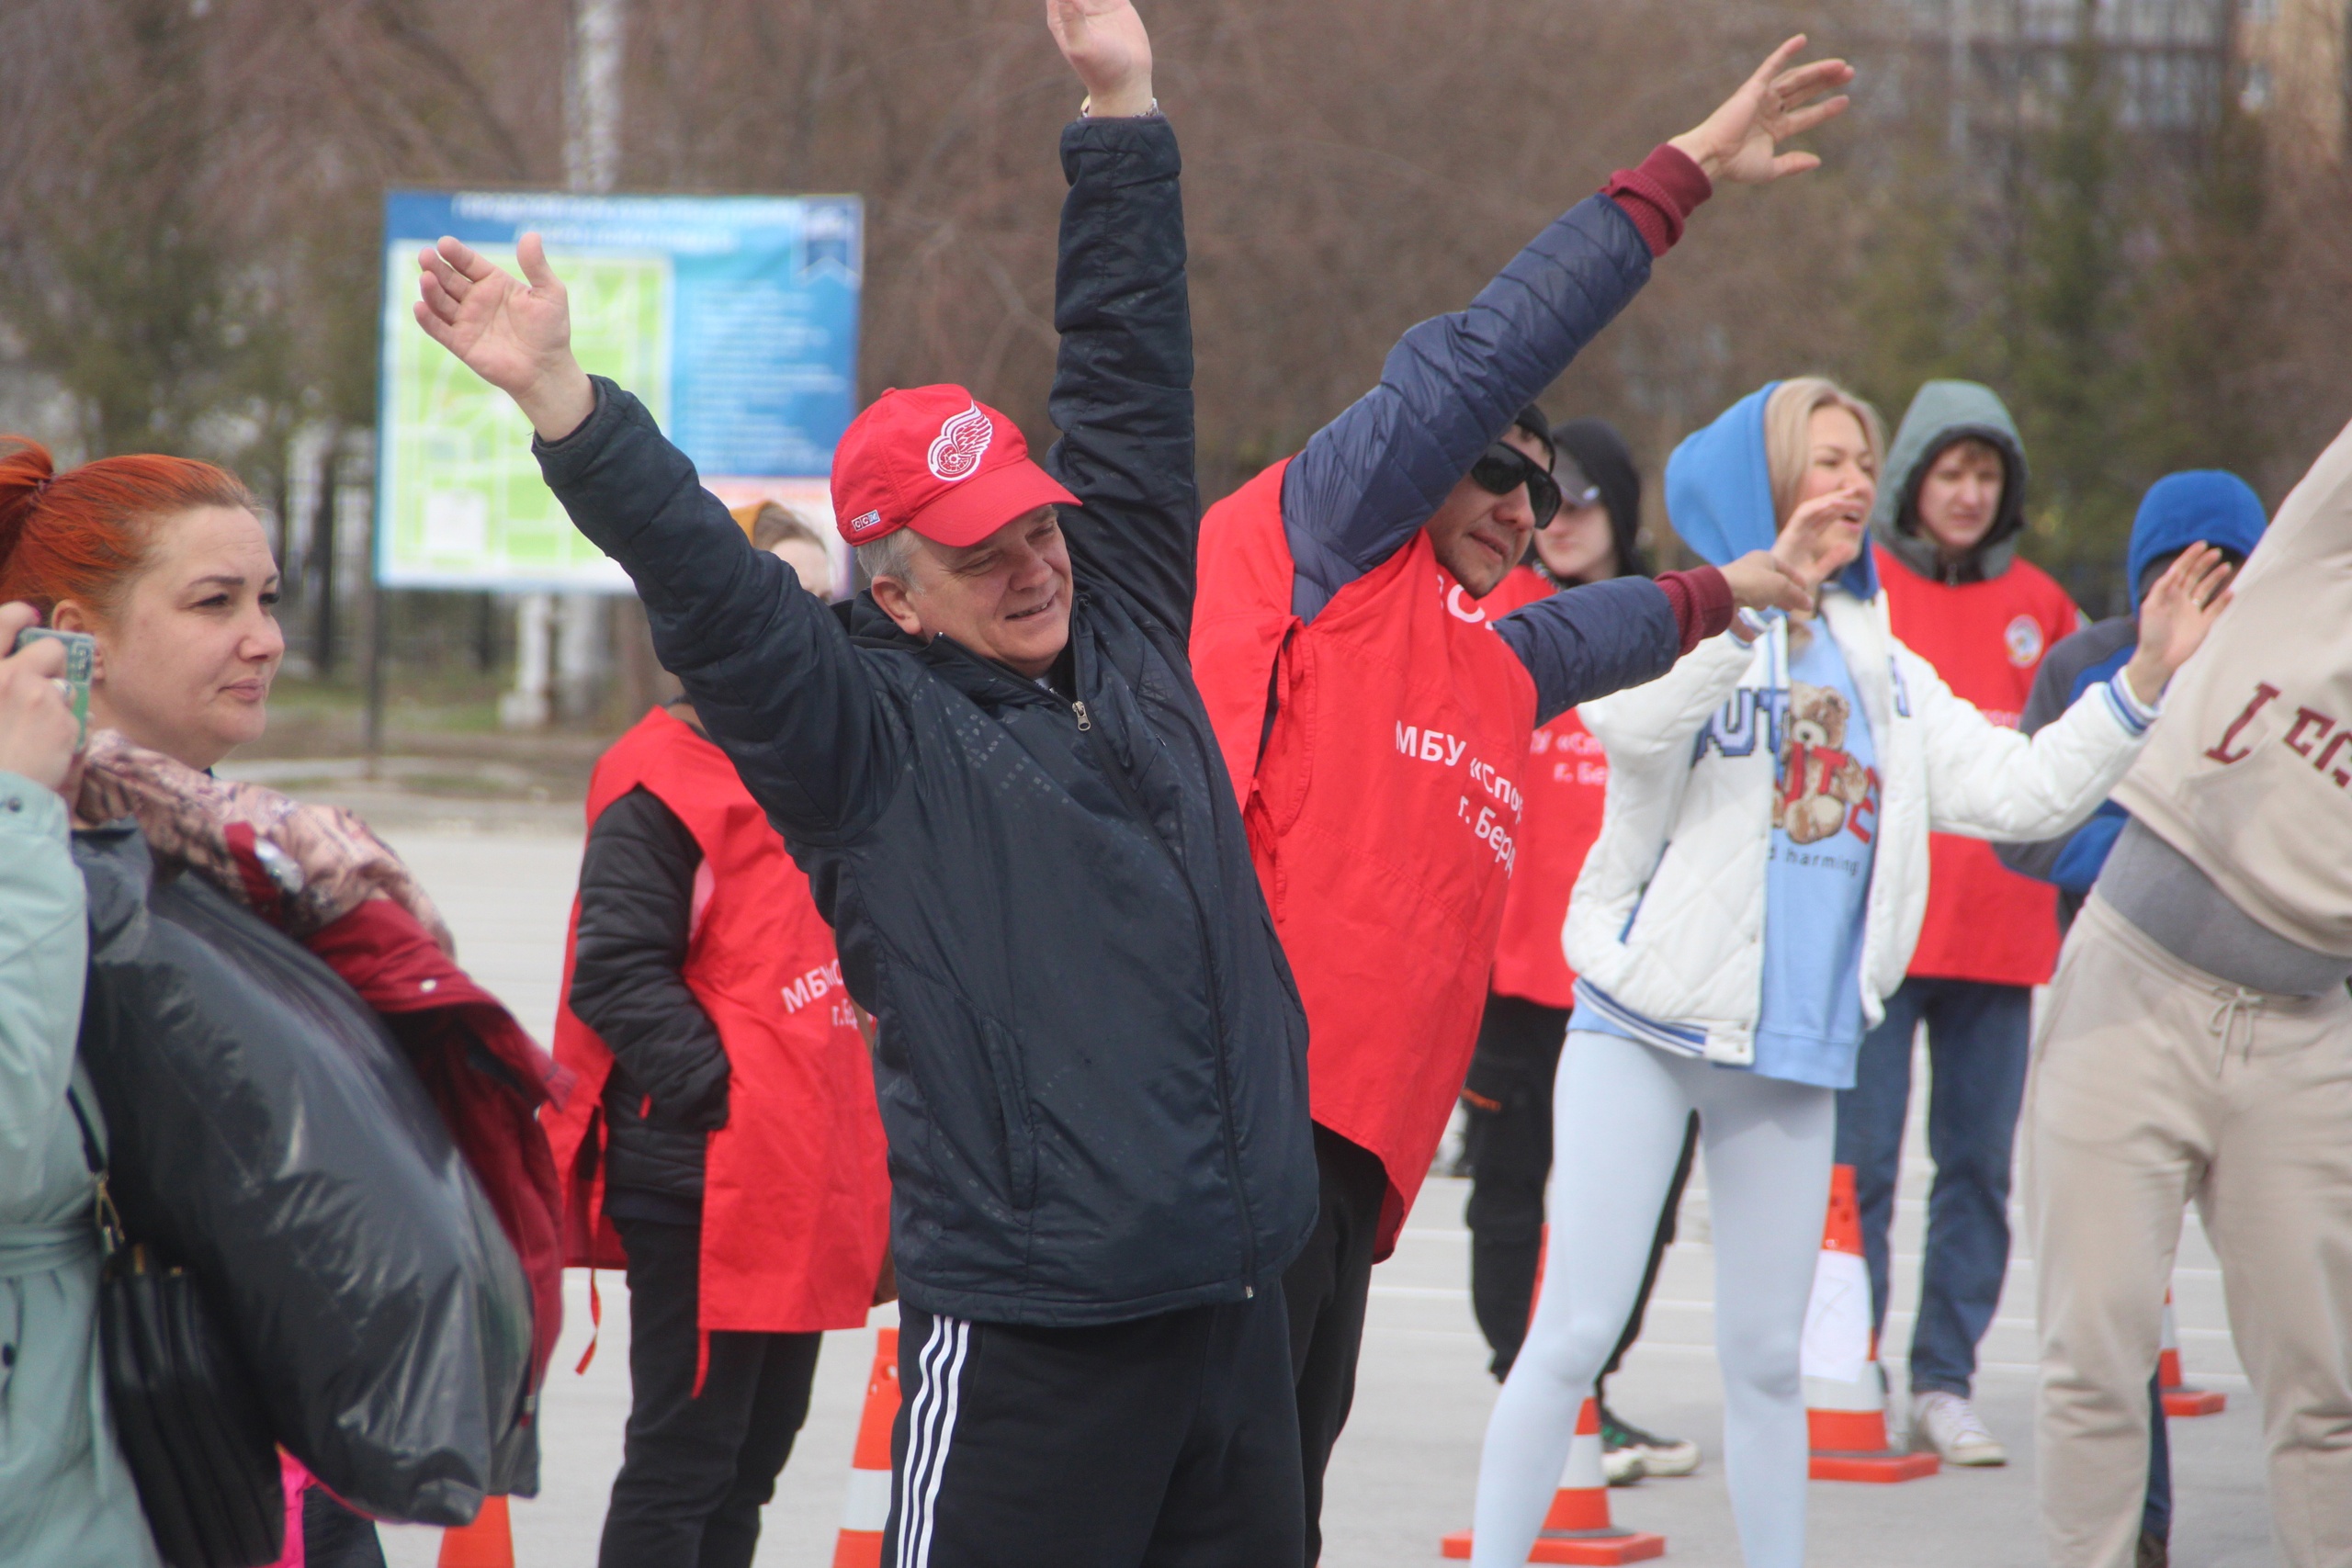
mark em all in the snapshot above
pixel 1960 495
pixel 1478 535
pixel 1838 457
pixel 1006 598
pixel 185 659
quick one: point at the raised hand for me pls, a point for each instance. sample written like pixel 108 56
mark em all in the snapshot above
pixel 2174 618
pixel 37 729
pixel 1822 537
pixel 514 334
pixel 1105 43
pixel 1760 583
pixel 1739 141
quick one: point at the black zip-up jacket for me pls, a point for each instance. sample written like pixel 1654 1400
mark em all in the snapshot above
pixel 1092 1060
pixel 668 1089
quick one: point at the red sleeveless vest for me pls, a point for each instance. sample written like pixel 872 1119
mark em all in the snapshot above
pixel 1383 815
pixel 796 1198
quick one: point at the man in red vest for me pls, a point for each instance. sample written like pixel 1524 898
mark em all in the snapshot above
pixel 1508 1094
pixel 1374 717
pixel 1947 527
pixel 723 1126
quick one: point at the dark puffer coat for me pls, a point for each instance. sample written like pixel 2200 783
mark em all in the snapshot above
pixel 1091 1062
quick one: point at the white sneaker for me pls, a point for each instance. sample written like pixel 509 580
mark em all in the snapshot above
pixel 1621 1467
pixel 1949 1426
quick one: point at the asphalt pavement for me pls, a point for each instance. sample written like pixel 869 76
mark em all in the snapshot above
pixel 1405 1469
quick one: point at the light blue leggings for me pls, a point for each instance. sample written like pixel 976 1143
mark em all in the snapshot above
pixel 1618 1112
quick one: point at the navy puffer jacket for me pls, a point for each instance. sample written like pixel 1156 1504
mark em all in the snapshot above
pixel 1091 1061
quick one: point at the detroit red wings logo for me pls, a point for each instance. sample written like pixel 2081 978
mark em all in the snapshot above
pixel 962 442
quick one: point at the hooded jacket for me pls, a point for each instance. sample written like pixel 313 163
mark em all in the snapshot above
pixel 2200 506
pixel 1666 927
pixel 1606 460
pixel 1942 413
pixel 1090 1058
pixel 1984 624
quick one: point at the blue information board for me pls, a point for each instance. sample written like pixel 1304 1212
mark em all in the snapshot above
pixel 734 318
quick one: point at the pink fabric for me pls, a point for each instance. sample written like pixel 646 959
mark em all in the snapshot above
pixel 295 1480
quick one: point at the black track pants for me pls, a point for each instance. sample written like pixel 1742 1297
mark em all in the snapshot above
pixel 1165 1442
pixel 695 1470
pixel 1325 1291
pixel 1509 1094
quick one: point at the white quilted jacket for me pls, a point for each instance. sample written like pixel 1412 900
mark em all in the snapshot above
pixel 1667 916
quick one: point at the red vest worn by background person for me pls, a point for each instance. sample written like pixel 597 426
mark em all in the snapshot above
pixel 1986 640
pixel 796 1198
pixel 1566 781
pixel 1383 815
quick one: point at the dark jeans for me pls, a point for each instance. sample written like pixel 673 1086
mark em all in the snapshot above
pixel 1324 1293
pixel 1976 1053
pixel 1508 1145
pixel 695 1470
pixel 1163 1442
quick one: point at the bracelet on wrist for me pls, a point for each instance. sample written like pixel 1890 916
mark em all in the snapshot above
pixel 1086 110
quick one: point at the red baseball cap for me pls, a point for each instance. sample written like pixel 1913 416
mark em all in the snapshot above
pixel 938 460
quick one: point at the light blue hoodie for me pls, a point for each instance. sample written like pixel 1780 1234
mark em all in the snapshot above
pixel 1719 492
pixel 1809 1026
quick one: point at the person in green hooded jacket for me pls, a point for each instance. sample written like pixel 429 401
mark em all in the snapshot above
pixel 1946 528
pixel 67 1498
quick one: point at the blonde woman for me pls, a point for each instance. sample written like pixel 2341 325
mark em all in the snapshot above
pixel 1758 882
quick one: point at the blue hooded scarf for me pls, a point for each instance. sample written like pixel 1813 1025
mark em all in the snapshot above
pixel 2199 506
pixel 1719 493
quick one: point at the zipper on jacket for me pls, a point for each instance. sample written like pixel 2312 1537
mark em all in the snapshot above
pixel 1126 789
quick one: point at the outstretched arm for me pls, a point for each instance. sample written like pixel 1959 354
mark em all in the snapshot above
pixel 1123 382
pixel 1370 478
pixel 770 668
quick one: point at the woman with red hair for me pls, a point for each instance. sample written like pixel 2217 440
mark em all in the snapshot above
pixel 164 563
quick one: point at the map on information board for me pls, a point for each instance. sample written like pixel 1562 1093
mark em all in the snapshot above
pixel 733 319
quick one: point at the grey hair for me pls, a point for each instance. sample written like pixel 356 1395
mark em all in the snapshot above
pixel 892 555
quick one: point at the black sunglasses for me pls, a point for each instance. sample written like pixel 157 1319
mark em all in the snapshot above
pixel 1502 469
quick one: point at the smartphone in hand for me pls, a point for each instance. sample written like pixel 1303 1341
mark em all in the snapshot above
pixel 81 651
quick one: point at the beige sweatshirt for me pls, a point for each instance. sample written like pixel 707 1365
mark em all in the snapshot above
pixel 2249 772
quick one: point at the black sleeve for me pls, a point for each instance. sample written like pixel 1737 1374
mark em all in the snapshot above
pixel 1123 383
pixel 637 889
pixel 771 670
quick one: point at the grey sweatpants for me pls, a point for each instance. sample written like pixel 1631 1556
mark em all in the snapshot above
pixel 2153 1083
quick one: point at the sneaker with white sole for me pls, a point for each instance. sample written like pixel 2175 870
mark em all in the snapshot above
pixel 1620 1467
pixel 1948 1424
pixel 1660 1455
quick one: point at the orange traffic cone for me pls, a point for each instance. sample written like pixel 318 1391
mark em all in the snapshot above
pixel 867 1512
pixel 2179 1398
pixel 488 1543
pixel 1845 1396
pixel 1577 1529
